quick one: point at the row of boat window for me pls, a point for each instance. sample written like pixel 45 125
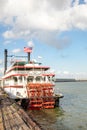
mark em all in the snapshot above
pixel 31 78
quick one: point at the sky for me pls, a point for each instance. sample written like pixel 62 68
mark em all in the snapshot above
pixel 56 29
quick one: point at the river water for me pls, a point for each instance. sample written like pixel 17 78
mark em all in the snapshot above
pixel 72 113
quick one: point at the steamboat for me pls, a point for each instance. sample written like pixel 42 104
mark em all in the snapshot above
pixel 30 82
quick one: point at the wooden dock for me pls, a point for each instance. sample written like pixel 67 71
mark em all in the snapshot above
pixel 13 117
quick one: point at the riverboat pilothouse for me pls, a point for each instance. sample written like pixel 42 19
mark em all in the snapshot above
pixel 30 81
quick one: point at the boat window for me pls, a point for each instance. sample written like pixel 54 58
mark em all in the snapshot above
pixel 15 79
pixel 20 78
pixel 49 78
pixel 44 78
pixel 24 78
pixel 30 79
pixel 38 78
pixel 53 78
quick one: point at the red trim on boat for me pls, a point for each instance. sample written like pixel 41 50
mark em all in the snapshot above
pixel 14 86
pixel 15 75
pixel 25 67
pixel 48 74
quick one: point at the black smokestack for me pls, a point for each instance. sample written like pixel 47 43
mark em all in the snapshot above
pixel 28 56
pixel 5 60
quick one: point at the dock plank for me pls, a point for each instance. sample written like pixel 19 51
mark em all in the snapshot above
pixel 13 117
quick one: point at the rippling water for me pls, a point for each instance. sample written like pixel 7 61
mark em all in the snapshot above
pixel 72 113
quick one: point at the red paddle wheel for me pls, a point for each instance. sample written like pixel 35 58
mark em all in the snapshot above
pixel 40 95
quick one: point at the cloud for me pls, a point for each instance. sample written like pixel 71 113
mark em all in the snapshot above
pixel 51 38
pixel 81 75
pixel 59 4
pixel 16 50
pixel 1 61
pixel 65 74
pixel 8 34
pixel 30 44
pixel 7 42
pixel 42 19
pixel 75 2
pixel 39 57
pixel 85 1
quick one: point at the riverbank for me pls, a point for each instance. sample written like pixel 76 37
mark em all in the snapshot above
pixel 69 80
pixel 13 117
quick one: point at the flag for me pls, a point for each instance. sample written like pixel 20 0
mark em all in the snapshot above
pixel 28 49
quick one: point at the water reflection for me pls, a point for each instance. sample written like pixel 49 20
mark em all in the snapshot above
pixel 49 119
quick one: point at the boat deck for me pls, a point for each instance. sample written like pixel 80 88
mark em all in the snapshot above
pixel 13 117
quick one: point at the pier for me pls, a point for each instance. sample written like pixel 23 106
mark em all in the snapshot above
pixel 13 117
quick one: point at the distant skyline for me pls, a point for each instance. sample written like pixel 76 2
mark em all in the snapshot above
pixel 56 29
